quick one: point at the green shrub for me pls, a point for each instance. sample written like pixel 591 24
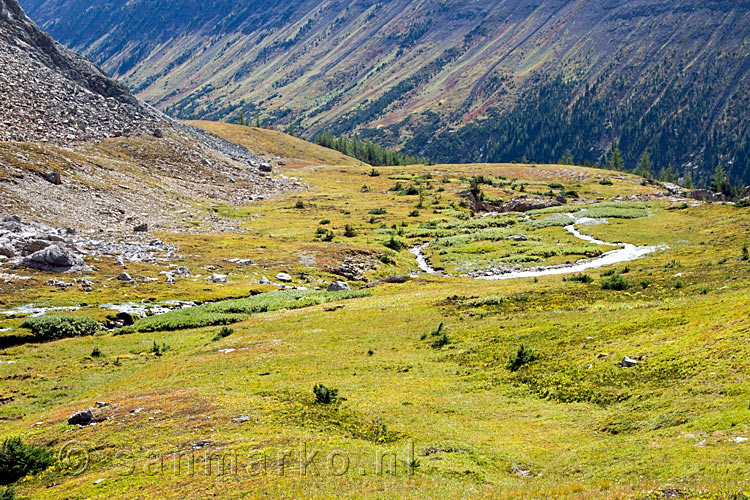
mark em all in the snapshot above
pixel 8 493
pixel 521 357
pixel 374 173
pixel 440 341
pixel 59 326
pixel 745 253
pixel 299 205
pixel 325 395
pixel 328 236
pixel 606 182
pixel 394 244
pixel 570 194
pixel 349 231
pixel 159 350
pixel 609 272
pixel 615 282
pixel 96 353
pixel 223 333
pixel 18 460
pixel 579 278
pixel 414 213
pixel 378 211
pixel 324 222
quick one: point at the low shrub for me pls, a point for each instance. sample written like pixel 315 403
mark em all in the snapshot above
pixel 520 358
pixel 59 326
pixel 615 282
pixel 324 395
pixel 223 333
pixel 579 278
pixel 349 231
pixel 18 460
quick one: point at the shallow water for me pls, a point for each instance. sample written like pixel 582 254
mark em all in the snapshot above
pixel 626 253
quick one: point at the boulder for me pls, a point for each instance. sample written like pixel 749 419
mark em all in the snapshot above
pixel 54 258
pixel 11 218
pixel 265 167
pixel 517 237
pixel 83 417
pixel 284 277
pixel 265 281
pixel 219 278
pixel 125 277
pixel 141 228
pixel 628 362
pixel 158 133
pixel 338 286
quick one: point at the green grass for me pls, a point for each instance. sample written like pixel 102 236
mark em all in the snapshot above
pixel 226 312
pixel 571 424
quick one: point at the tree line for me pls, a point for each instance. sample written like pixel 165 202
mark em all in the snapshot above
pixel 366 151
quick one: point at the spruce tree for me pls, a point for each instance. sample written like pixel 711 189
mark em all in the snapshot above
pixel 615 159
pixel 644 166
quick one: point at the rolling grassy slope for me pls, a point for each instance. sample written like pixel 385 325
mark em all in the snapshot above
pixel 272 144
pixel 571 424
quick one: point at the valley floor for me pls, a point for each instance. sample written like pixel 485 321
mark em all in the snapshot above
pixel 423 410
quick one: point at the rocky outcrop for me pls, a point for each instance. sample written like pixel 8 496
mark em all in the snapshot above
pixel 54 258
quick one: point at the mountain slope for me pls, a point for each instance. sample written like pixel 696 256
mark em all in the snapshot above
pixel 456 81
pixel 78 149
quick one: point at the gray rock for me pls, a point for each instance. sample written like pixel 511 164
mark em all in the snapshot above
pixel 241 418
pixel 141 228
pixel 83 417
pixel 158 133
pixel 517 237
pixel 182 271
pixel 35 245
pixel 338 286
pixel 7 251
pixel 170 279
pixel 265 167
pixel 54 258
pixel 628 362
pixel 265 281
pixel 219 278
pixel 284 277
pixel 125 277
pixel 52 178
pixel 58 284
pixel 11 218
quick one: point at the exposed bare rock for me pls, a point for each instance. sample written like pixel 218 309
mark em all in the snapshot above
pixel 54 258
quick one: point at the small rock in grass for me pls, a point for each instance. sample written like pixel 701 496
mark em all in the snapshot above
pixel 265 281
pixel 338 286
pixel 219 278
pixel 284 277
pixel 83 417
pixel 628 362
pixel 124 277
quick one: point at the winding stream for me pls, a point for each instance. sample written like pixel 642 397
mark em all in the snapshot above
pixel 626 253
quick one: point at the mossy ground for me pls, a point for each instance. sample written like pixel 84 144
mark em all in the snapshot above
pixel 570 425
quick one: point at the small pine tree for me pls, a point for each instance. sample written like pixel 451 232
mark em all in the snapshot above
pixel 720 182
pixel 615 159
pixel 241 118
pixel 645 166
pixel 567 158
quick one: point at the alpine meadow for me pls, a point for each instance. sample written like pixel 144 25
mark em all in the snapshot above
pixel 375 249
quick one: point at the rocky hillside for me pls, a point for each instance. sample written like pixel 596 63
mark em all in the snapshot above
pixel 78 149
pixel 48 93
pixel 456 81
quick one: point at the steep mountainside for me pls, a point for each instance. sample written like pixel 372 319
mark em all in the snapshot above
pixel 453 80
pixel 78 149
